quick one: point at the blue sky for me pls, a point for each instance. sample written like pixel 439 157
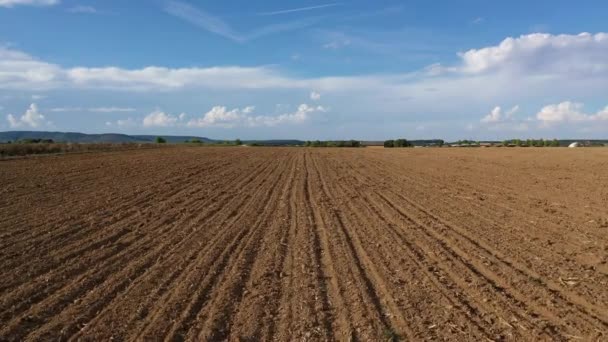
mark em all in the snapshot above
pixel 306 69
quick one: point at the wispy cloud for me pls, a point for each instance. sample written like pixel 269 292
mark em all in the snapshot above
pixel 202 19
pixel 402 44
pixel 386 11
pixel 282 27
pixel 337 44
pixel 300 9
pixel 12 3
pixel 93 110
pixel 213 24
pixel 110 109
pixel 83 9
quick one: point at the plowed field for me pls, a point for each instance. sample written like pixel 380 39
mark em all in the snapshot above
pixel 306 244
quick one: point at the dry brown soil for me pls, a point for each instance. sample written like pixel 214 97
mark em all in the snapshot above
pixel 306 244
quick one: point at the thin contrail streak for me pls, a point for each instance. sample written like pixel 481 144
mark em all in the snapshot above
pixel 300 9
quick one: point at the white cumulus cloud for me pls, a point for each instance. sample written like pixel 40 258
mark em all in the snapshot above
pixel 540 53
pixel 568 111
pixel 315 96
pixel 31 119
pixel 161 119
pixel 548 116
pixel 301 115
pixel 220 116
pixel 498 115
pixel 501 120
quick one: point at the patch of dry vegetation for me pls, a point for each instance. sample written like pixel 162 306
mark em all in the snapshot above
pixel 25 149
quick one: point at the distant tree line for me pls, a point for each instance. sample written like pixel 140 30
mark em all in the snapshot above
pixel 532 143
pixel 334 143
pixel 32 141
pixel 18 148
pixel 514 142
pixel 468 142
pixel 397 143
pixel 236 142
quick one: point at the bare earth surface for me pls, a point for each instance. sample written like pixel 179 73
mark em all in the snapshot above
pixel 306 244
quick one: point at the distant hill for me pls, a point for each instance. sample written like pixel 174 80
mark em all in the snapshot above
pixel 287 142
pixel 93 138
pixel 170 138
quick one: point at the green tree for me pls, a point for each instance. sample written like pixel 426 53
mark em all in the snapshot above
pixel 238 142
pixel 464 142
pixel 401 143
pixel 389 143
pixel 160 140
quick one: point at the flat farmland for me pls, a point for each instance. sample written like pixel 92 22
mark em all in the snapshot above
pixel 287 244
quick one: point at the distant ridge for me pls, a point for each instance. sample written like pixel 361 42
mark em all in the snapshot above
pixel 275 142
pixel 74 137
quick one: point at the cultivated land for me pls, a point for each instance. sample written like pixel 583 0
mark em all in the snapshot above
pixel 306 244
